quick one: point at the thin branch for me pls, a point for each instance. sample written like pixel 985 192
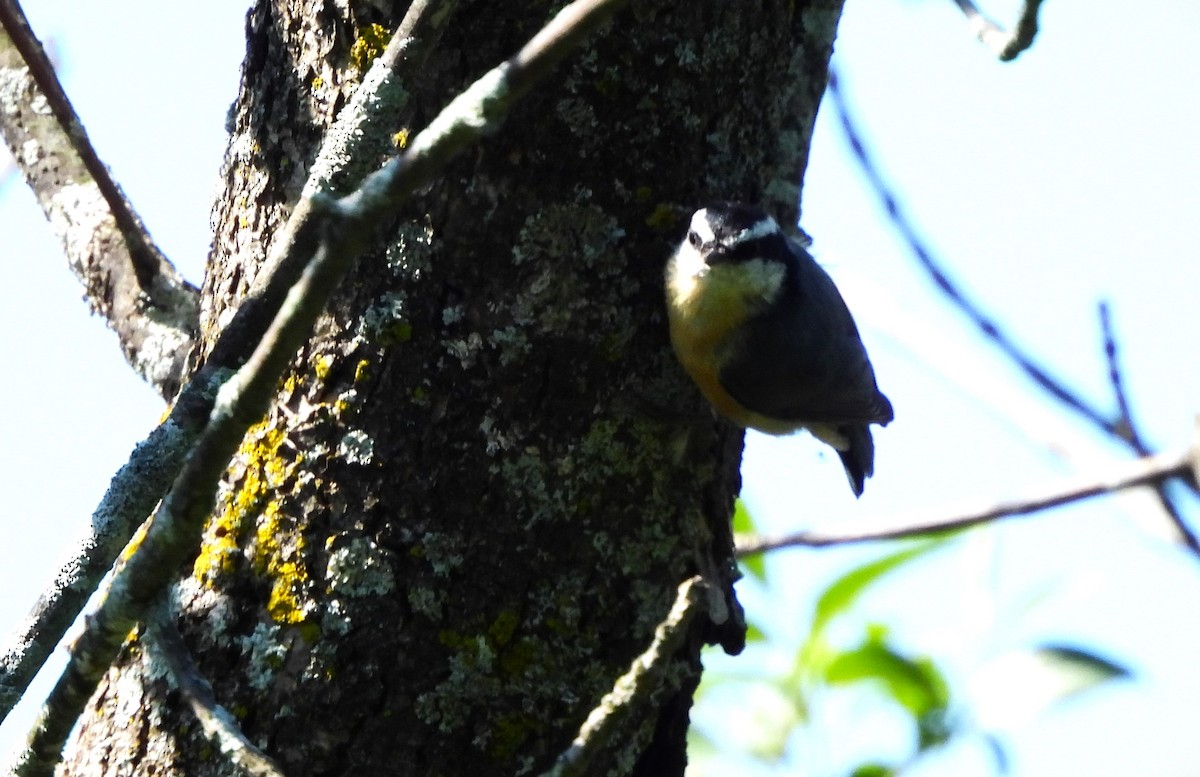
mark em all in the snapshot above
pixel 986 325
pixel 1006 46
pixel 172 535
pixel 156 461
pixel 147 259
pixel 342 229
pixel 358 139
pixel 639 689
pixel 362 134
pixel 478 111
pixel 135 489
pixel 1140 472
pixel 150 306
pixel 165 645
pixel 1127 429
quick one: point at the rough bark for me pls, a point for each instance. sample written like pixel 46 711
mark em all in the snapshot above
pixel 486 476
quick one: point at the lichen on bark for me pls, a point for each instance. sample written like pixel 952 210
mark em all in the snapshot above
pixel 488 417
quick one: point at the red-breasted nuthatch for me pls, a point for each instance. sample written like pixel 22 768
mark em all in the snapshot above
pixel 764 333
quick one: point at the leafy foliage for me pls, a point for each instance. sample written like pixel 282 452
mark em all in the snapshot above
pixel 845 655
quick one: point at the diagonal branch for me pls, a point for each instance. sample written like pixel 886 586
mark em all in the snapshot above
pixel 1150 470
pixel 1007 46
pixel 341 230
pixel 143 298
pixel 165 645
pixel 639 689
pixel 156 461
pixel 1127 429
pixel 987 326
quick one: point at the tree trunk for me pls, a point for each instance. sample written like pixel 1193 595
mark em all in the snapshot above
pixel 486 475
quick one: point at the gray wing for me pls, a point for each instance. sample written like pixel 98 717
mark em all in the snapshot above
pixel 809 363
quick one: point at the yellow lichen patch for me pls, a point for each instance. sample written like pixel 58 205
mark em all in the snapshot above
pixel 218 552
pixel 520 656
pixel 400 332
pixel 264 471
pixel 279 555
pixel 509 733
pixel 322 364
pixel 400 139
pixel 136 540
pixel 368 47
pixel 502 629
pixel 362 370
pixel 663 217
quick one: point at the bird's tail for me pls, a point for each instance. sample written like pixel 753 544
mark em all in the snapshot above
pixel 859 456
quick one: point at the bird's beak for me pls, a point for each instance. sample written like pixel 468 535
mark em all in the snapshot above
pixel 714 253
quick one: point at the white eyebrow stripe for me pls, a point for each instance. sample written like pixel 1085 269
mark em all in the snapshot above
pixel 701 226
pixel 763 228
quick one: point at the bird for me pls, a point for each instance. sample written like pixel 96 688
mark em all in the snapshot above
pixel 765 335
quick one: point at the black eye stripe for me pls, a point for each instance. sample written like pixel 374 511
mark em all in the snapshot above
pixel 759 248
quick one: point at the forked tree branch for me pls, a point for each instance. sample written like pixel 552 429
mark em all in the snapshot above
pixel 988 326
pixel 165 645
pixel 1150 470
pixel 1127 429
pixel 127 280
pixel 342 230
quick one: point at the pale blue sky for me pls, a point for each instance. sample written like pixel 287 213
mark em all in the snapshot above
pixel 1046 184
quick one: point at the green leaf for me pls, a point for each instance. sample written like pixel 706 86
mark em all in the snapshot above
pixel 1079 669
pixel 700 744
pixel 743 523
pixel 754 633
pixel 1016 687
pixel 842 593
pixel 915 684
pixel 873 770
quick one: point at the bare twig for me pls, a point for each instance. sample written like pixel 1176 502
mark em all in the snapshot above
pixel 636 690
pixel 1127 429
pixel 1140 472
pixel 143 298
pixel 165 645
pixel 1006 46
pixel 141 482
pixel 986 325
pixel 341 230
